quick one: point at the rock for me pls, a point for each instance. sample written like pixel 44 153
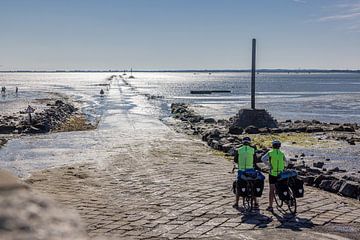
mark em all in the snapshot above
pixel 236 130
pixel 314 129
pixel 327 159
pixel 6 129
pixel 59 103
pixel 351 141
pixel 288 121
pixel 264 130
pixel 226 147
pixel 318 164
pixel 313 170
pixel 331 185
pixel 308 180
pixel 209 120
pixel 322 177
pixel 3 141
pixel 352 178
pixel 251 130
pixel 350 189
pixel 276 130
pixel 302 155
pixel 336 169
pixel 293 159
pixel 343 128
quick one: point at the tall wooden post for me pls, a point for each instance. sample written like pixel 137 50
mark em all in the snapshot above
pixel 253 71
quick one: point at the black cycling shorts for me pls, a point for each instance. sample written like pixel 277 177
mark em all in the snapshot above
pixel 272 179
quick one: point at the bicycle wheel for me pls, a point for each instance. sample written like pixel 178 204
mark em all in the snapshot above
pixel 292 202
pixel 248 200
pixel 279 202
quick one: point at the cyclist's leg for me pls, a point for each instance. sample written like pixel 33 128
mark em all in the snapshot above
pixel 237 197
pixel 271 195
pixel 272 181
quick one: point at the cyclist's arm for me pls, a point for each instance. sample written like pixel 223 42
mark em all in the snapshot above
pixel 236 157
pixel 265 159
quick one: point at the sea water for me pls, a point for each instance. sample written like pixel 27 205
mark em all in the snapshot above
pixel 325 97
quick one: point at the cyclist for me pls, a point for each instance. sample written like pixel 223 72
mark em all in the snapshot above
pixel 244 158
pixel 276 161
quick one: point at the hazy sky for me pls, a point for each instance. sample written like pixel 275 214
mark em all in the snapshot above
pixel 178 34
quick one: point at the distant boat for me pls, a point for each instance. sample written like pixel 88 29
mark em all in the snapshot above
pixel 131 76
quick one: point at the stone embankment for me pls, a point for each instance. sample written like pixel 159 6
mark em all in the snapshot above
pixel 225 136
pixel 50 119
pixel 26 214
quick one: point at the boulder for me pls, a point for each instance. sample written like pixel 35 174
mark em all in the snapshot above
pixel 226 147
pixel 350 189
pixel 318 164
pixel 236 130
pixel 314 129
pixel 209 120
pixel 251 130
pixel 322 177
pixel 276 130
pixel 331 185
pixel 343 128
pixel 6 129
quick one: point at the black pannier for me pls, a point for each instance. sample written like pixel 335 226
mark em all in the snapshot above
pixel 282 190
pixel 242 188
pixel 297 186
pixel 258 188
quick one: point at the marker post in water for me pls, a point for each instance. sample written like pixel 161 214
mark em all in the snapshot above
pixel 29 111
pixel 253 70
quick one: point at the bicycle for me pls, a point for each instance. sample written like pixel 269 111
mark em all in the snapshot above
pixel 249 191
pixel 286 179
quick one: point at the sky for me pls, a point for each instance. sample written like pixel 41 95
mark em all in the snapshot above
pixel 178 34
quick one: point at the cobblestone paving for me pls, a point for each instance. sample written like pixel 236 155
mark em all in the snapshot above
pixel 185 193
pixel 160 184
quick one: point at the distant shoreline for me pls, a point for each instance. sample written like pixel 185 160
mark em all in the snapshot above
pixel 191 71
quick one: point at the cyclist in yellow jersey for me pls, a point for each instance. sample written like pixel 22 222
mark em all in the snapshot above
pixel 276 161
pixel 244 159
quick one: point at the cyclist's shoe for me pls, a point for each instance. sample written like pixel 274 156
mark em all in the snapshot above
pixel 270 209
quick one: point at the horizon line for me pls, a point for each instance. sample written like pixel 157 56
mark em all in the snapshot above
pixel 190 70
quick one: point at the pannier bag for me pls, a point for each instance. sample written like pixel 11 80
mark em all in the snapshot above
pixel 242 188
pixel 282 190
pixel 258 188
pixel 297 186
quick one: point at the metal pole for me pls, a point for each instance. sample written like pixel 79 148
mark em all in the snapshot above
pixel 253 70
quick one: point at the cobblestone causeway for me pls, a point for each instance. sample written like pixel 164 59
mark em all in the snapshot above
pixel 178 190
pixel 160 184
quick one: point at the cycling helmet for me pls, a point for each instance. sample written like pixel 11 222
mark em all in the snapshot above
pixel 276 144
pixel 246 140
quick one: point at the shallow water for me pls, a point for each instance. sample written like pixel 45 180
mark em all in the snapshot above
pixel 125 114
pixel 325 97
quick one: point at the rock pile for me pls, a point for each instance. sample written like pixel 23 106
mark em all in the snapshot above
pixel 42 122
pixel 348 186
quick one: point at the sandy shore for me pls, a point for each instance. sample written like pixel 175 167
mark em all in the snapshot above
pixel 156 183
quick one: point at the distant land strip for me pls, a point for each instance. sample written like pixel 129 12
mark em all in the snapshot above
pixel 194 71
